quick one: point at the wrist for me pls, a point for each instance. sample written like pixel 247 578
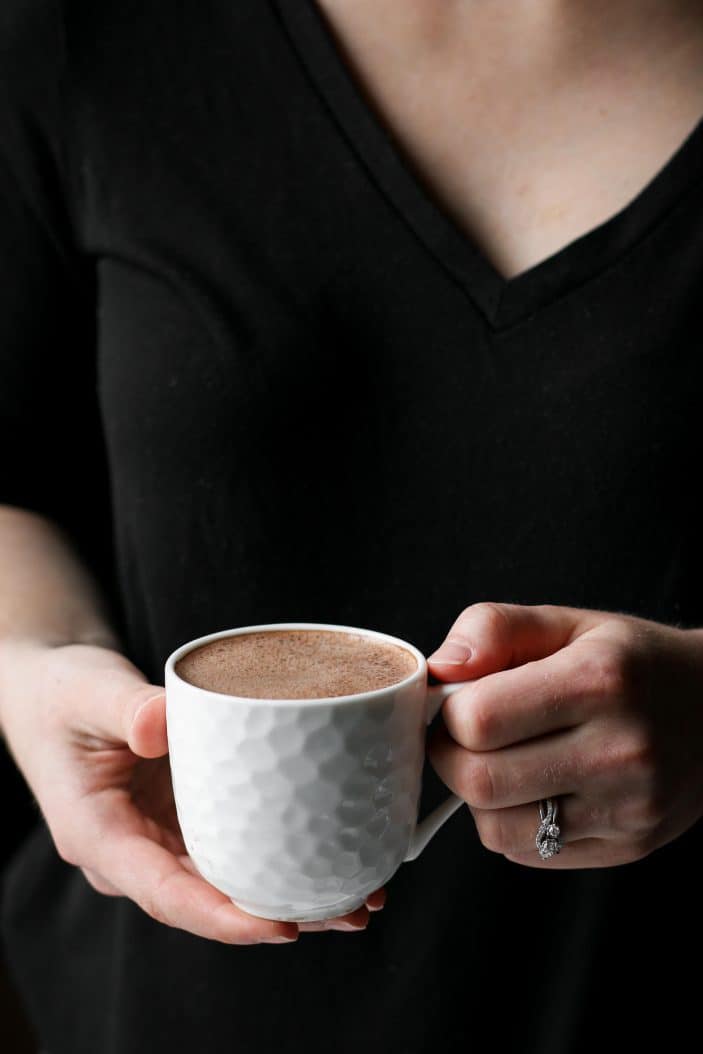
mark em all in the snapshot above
pixel 695 638
pixel 20 654
pixel 97 636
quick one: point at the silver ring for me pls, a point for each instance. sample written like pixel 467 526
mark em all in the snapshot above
pixel 548 841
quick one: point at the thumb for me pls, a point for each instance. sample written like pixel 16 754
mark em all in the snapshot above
pixel 488 637
pixel 107 698
pixel 147 734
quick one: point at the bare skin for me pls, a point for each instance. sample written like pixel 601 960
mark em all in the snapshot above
pixel 88 733
pixel 530 121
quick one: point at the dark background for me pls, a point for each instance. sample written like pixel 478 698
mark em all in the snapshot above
pixel 21 813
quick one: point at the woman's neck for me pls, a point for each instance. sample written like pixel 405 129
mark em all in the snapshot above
pixel 534 29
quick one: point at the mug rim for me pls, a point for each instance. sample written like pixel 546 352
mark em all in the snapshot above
pixel 326 700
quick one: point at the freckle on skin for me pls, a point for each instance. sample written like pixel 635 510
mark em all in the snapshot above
pixel 552 212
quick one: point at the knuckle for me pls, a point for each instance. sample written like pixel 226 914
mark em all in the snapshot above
pixel 491 616
pixel 98 884
pixel 475 719
pixel 631 757
pixel 481 727
pixel 640 816
pixel 639 757
pixel 155 902
pixel 607 670
pixel 477 784
pixel 153 906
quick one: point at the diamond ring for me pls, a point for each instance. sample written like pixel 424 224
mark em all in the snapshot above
pixel 547 841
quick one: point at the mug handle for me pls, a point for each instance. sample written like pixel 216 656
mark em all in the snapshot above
pixel 436 694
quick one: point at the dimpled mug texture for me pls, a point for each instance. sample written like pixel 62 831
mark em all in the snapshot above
pixel 297 812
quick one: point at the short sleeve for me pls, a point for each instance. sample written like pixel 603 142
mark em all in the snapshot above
pixel 52 457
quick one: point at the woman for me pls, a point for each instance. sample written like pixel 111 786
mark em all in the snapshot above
pixel 378 314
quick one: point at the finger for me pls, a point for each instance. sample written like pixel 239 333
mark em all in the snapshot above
pixel 101 885
pixel 590 852
pixel 488 637
pixel 109 701
pixel 147 736
pixel 542 696
pixel 498 779
pixel 376 900
pixel 352 921
pixel 513 830
pixel 158 883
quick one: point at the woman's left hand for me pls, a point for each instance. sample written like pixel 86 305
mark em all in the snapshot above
pixel 602 711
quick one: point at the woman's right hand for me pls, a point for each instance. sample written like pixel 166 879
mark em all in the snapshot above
pixel 88 733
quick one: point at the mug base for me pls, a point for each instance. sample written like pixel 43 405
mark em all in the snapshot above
pixel 332 911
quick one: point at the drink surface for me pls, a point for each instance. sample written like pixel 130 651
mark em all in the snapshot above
pixel 295 664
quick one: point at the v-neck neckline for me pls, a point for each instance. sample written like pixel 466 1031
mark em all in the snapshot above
pixel 502 301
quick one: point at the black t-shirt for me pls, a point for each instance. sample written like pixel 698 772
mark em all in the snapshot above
pixel 259 374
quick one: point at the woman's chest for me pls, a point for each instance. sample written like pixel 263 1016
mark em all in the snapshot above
pixel 525 142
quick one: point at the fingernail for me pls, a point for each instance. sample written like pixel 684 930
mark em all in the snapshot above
pixel 378 907
pixel 143 706
pixel 280 940
pixel 347 927
pixel 452 653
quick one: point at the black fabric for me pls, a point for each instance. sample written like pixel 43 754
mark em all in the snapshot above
pixel 258 374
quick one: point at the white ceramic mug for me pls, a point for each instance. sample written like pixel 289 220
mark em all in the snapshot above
pixel 297 809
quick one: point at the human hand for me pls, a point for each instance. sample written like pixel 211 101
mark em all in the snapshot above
pixel 89 735
pixel 603 711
